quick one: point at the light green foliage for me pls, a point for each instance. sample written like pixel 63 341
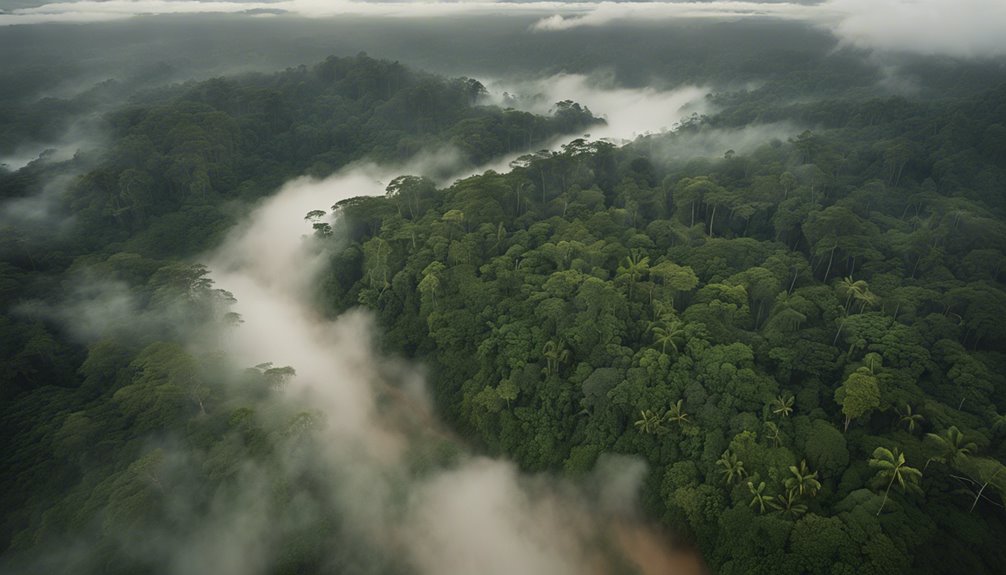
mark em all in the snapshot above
pixel 731 468
pixel 892 467
pixel 782 405
pixel 650 422
pixel 802 480
pixel 760 499
pixel 858 395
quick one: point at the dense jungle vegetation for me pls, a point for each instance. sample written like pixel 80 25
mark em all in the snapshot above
pixel 803 341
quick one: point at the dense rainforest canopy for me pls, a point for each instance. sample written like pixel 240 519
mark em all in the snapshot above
pixel 805 343
pixel 801 336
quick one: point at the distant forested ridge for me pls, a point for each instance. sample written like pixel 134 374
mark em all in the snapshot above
pixel 805 343
pixel 180 154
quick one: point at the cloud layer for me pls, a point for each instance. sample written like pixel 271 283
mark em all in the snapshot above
pixel 963 28
pixel 601 13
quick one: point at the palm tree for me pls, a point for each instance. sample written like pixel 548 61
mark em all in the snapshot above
pixel 785 318
pixel 891 464
pixel 910 419
pixel 789 505
pixel 867 298
pixel 667 334
pixel 677 413
pixel 852 289
pixel 761 499
pixel 803 481
pixel 650 423
pixel 952 445
pixel 773 433
pixel 783 405
pixel 733 469
pixel 857 290
pixel 634 266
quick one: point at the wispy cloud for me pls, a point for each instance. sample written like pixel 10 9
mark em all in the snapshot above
pixel 964 28
pixel 628 113
pixel 601 13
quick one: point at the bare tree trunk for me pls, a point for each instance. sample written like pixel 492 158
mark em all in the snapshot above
pixel 837 333
pixel 888 490
pixel 830 258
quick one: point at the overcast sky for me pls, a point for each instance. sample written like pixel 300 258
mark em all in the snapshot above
pixel 964 28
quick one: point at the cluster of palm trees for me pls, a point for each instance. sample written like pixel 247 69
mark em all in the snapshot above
pixel 951 447
pixel 954 450
pixel 802 482
pixel 555 353
pixel 653 424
